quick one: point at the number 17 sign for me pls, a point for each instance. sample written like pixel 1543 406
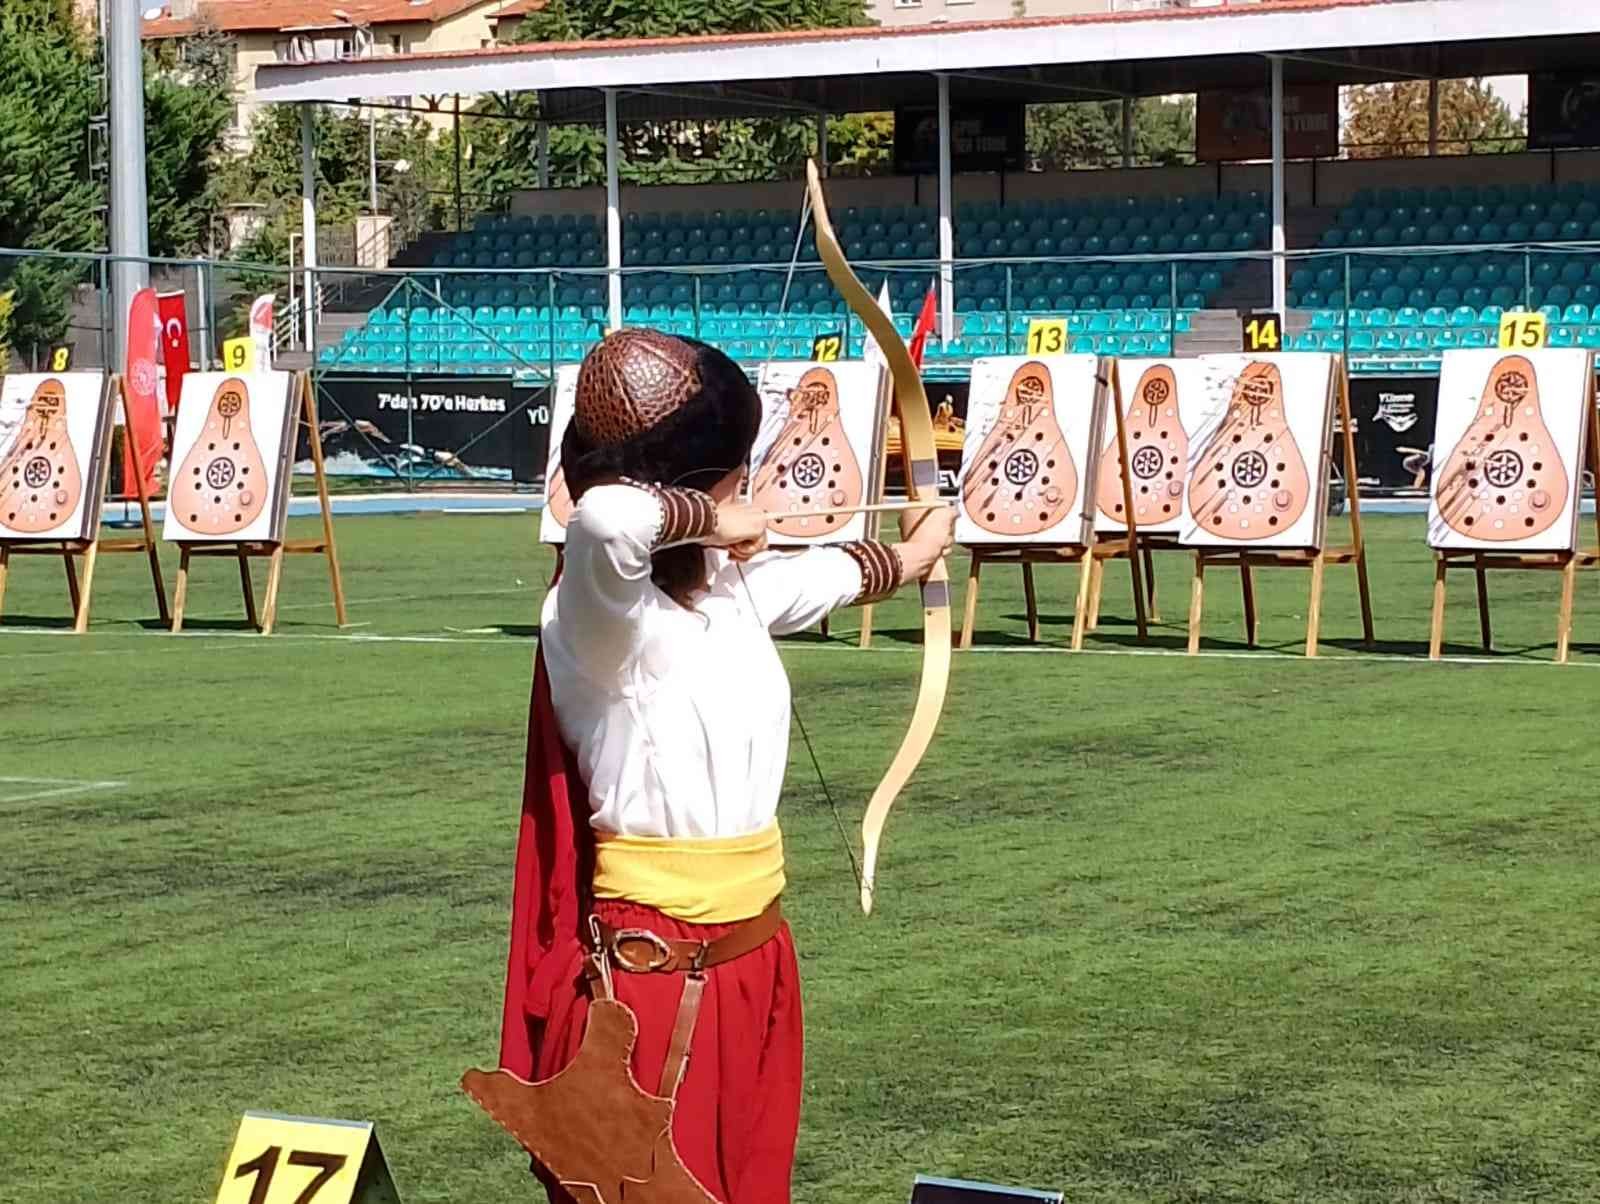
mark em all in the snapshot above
pixel 303 1160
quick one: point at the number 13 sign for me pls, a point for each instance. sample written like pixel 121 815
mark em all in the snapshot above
pixel 301 1160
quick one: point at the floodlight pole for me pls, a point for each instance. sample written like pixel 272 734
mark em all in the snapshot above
pixel 613 215
pixel 1280 268
pixel 308 220
pixel 947 239
pixel 129 215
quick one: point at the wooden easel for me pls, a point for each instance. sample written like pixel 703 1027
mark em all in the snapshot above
pixel 1316 559
pixel 1088 555
pixel 305 408
pixel 81 591
pixel 1566 563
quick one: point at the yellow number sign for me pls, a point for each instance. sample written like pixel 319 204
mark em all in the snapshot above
pixel 1047 336
pixel 60 358
pixel 1263 332
pixel 302 1160
pixel 1521 331
pixel 826 348
pixel 239 355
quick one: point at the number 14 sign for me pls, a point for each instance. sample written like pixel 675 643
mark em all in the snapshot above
pixel 303 1160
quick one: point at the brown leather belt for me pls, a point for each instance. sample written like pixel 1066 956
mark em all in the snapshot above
pixel 640 951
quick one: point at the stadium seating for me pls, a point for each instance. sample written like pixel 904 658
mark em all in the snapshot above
pixel 1406 306
pixel 1022 261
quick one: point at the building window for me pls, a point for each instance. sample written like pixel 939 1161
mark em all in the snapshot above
pixel 395 43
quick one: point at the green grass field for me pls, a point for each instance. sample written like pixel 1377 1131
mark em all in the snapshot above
pixel 1149 928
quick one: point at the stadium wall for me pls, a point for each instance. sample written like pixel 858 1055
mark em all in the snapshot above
pixel 1314 183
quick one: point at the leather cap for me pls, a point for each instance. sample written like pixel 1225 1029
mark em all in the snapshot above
pixel 630 381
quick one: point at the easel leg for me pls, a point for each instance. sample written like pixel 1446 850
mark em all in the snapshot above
pixel 1368 637
pixel 247 587
pixel 274 579
pixel 1314 610
pixel 5 569
pixel 970 613
pixel 1097 583
pixel 314 437
pixel 1141 617
pixel 1247 587
pixel 180 592
pixel 80 619
pixel 1436 628
pixel 72 581
pixel 1080 608
pixel 1569 580
pixel 1150 586
pixel 865 639
pixel 1483 603
pixel 1197 593
pixel 1032 601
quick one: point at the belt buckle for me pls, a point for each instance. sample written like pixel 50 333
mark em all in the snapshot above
pixel 661 952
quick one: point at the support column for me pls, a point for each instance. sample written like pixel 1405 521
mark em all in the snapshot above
pixel 129 216
pixel 947 237
pixel 1280 268
pixel 372 159
pixel 308 221
pixel 822 144
pixel 544 154
pixel 1127 131
pixel 456 128
pixel 1433 117
pixel 613 215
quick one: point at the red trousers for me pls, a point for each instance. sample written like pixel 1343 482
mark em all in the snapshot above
pixel 739 1104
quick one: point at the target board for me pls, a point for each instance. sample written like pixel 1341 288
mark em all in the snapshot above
pixel 53 429
pixel 1162 411
pixel 1508 450
pixel 232 450
pixel 557 510
pixel 819 447
pixel 1031 461
pixel 1259 459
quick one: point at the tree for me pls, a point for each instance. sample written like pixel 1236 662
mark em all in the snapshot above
pixel 188 106
pixel 1089 134
pixel 1392 120
pixel 47 201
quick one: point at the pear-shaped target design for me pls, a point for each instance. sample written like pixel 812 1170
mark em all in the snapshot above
pixel 1022 480
pixel 222 485
pixel 1158 451
pixel 40 482
pixel 810 465
pixel 1504 479
pixel 1249 481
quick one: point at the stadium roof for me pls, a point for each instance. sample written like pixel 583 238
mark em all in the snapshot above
pixel 1032 59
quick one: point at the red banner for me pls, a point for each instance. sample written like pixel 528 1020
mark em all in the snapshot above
pixel 924 326
pixel 174 344
pixel 141 407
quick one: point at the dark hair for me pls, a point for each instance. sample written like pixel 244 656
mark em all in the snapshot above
pixel 694 447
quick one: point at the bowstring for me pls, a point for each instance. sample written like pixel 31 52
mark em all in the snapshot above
pixel 805 736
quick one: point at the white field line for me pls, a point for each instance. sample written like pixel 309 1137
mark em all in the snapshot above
pixel 58 787
pixel 837 648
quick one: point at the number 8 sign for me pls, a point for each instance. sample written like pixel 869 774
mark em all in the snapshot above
pixel 304 1160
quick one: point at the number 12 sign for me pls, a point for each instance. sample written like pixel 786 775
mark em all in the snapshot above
pixel 304 1160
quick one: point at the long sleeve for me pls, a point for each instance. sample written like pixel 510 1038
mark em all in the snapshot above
pixel 793 590
pixel 605 577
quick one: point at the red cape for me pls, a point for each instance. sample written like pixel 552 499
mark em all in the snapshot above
pixel 554 869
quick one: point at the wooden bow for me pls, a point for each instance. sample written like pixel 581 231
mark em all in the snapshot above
pixel 922 483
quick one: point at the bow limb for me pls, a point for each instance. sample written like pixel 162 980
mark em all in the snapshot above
pixel 922 482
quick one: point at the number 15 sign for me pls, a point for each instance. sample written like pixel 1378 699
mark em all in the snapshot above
pixel 302 1160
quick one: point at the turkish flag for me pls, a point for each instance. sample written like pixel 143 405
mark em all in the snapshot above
pixel 141 407
pixel 924 326
pixel 174 344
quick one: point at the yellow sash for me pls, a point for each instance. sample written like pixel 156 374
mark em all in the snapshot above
pixel 712 880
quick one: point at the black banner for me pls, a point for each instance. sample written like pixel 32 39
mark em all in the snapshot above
pixel 1394 417
pixel 433 429
pixel 983 137
pixel 1563 111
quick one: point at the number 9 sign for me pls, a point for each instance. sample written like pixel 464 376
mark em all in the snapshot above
pixel 239 355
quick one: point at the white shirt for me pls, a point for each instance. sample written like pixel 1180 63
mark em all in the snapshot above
pixel 679 718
